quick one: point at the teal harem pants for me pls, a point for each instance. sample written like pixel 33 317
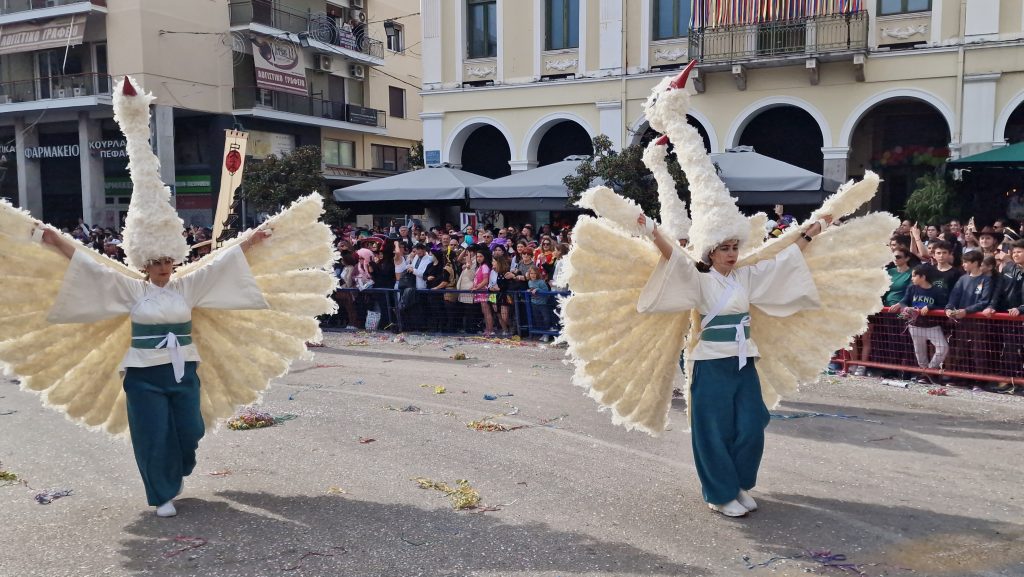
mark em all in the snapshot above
pixel 166 426
pixel 727 418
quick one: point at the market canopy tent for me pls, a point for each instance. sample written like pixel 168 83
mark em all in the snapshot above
pixel 541 188
pixel 426 185
pixel 1003 157
pixel 756 179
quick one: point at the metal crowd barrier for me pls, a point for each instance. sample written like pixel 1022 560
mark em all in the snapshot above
pixel 448 311
pixel 980 348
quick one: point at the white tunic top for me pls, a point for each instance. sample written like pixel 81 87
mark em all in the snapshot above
pixel 93 292
pixel 780 287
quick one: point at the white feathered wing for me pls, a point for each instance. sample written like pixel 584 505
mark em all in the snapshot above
pixel 848 266
pixel 72 366
pixel 243 350
pixel 627 360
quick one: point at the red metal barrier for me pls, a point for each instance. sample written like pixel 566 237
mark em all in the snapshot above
pixel 981 348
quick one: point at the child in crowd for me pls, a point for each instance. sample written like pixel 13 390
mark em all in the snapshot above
pixel 921 297
pixel 943 274
pixel 539 302
pixel 971 294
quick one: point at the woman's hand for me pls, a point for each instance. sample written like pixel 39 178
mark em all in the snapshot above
pixel 259 235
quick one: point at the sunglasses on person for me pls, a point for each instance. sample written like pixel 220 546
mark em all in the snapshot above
pixel 898 256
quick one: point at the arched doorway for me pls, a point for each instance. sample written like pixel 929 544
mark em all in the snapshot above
pixel 787 133
pixel 486 152
pixel 566 138
pixel 650 134
pixel 901 139
pixel 1014 132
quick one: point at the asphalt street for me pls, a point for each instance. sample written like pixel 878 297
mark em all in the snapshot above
pixel 885 481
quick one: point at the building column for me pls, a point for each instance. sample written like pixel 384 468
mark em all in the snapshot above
pixel 163 141
pixel 30 189
pixel 433 53
pixel 977 126
pixel 611 124
pixel 433 138
pixel 521 165
pixel 834 172
pixel 610 38
pixel 91 167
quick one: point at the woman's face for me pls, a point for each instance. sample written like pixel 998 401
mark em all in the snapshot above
pixel 499 251
pixel 545 245
pixel 523 248
pixel 726 254
pixel 480 258
pixel 160 270
pixel 932 232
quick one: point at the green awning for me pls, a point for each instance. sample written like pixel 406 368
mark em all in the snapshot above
pixel 1003 157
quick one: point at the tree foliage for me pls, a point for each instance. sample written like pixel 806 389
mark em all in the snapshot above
pixel 274 183
pixel 416 156
pixel 625 173
pixel 931 201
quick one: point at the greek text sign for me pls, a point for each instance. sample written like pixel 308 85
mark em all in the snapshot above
pixel 100 148
pixel 56 33
pixel 279 65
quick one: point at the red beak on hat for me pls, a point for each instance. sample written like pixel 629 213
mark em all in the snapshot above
pixel 679 82
pixel 128 90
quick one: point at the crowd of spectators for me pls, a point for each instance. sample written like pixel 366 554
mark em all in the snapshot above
pixel 474 280
pixel 946 280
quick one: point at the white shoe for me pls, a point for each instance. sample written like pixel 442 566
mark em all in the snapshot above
pixel 746 500
pixel 351 328
pixel 166 510
pixel 730 509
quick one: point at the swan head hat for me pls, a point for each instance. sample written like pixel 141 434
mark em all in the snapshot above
pixel 153 230
pixel 716 218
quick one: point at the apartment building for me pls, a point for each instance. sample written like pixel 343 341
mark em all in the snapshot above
pixel 837 87
pixel 335 74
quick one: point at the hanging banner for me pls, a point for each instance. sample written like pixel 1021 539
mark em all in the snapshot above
pixel 279 65
pixel 28 37
pixel 230 177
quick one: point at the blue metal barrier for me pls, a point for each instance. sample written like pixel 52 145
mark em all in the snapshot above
pixel 444 312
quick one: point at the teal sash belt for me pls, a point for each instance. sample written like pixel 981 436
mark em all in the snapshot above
pixel 150 336
pixel 723 328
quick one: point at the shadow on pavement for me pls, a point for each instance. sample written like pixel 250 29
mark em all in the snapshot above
pixel 896 430
pixel 262 534
pixel 898 540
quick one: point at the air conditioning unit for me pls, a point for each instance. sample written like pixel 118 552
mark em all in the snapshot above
pixel 356 4
pixel 61 93
pixel 5 99
pixel 357 71
pixel 78 91
pixel 359 15
pixel 323 62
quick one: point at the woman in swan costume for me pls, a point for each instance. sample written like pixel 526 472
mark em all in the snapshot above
pixel 119 351
pixel 758 301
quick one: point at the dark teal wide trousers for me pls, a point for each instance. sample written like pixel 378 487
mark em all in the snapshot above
pixel 165 424
pixel 727 419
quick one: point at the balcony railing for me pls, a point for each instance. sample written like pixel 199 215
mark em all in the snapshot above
pixel 815 35
pixel 247 97
pixel 316 26
pixel 14 6
pixel 67 86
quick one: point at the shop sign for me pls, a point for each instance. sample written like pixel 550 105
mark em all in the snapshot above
pixel 263 144
pixel 28 37
pixel 193 184
pixel 360 115
pixel 101 148
pixel 278 65
pixel 183 184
